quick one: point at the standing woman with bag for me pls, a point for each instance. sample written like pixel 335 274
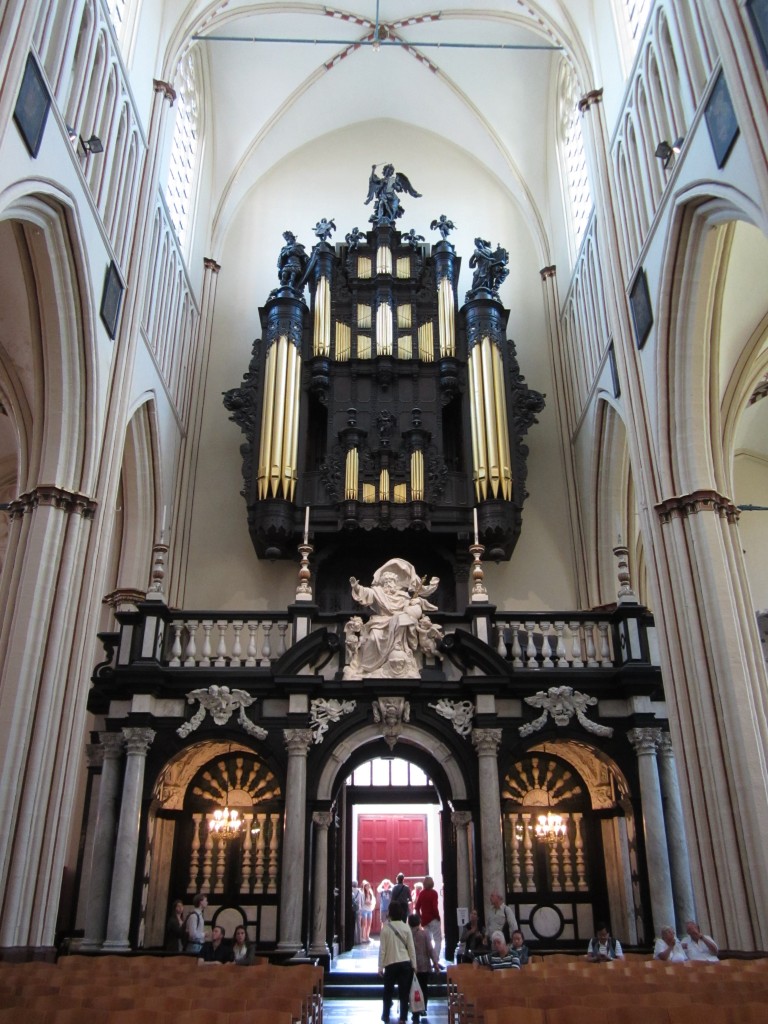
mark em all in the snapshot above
pixel 397 961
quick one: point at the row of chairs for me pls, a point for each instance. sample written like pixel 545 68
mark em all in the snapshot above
pixel 146 988
pixel 474 995
pixel 692 1013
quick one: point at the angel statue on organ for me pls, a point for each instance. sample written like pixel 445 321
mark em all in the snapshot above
pixel 383 192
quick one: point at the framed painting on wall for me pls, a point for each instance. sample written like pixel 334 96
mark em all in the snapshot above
pixel 640 303
pixel 721 121
pixel 111 298
pixel 32 106
pixel 758 17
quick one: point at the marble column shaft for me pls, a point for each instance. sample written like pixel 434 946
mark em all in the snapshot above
pixel 462 820
pixel 298 742
pixel 677 843
pixel 137 743
pixel 645 742
pixel 100 882
pixel 486 742
pixel 322 822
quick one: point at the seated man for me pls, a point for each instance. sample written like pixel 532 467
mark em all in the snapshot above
pixel 699 946
pixel 603 947
pixel 501 957
pixel 215 951
pixel 669 948
pixel 519 947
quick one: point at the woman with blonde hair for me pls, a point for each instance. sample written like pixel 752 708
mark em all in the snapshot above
pixel 366 911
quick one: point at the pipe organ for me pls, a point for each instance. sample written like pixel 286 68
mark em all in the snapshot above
pixel 380 402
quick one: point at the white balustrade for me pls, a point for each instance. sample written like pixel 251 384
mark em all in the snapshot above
pixel 228 642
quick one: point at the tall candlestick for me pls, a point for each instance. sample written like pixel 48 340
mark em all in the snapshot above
pixel 306 525
pixel 477 536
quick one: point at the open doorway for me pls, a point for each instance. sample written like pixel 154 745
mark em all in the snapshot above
pixel 394 825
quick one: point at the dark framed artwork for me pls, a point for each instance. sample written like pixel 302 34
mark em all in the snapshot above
pixel 614 371
pixel 642 312
pixel 111 298
pixel 758 16
pixel 721 120
pixel 32 106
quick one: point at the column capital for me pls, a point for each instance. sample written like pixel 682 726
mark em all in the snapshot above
pixel 210 264
pixel 113 744
pixel 645 741
pixel 486 741
pixel 94 755
pixel 165 88
pixel 138 741
pixel 297 741
pixel 547 272
pixel 460 819
pixel 51 496
pixel 681 506
pixel 590 98
pixel 323 819
pixel 665 746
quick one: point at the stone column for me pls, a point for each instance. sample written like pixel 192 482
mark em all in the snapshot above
pixel 111 745
pixel 137 742
pixel 677 843
pixel 298 742
pixel 486 742
pixel 322 821
pixel 645 742
pixel 462 821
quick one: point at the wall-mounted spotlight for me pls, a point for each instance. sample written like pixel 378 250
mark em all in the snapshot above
pixel 92 145
pixel 667 153
pixel 72 135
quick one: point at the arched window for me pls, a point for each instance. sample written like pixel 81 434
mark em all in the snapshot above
pixel 573 161
pixel 124 15
pixel 630 17
pixel 182 170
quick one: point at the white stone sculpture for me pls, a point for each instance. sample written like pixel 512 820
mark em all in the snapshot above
pixel 385 646
pixel 563 703
pixel 460 712
pixel 391 713
pixel 222 703
pixel 322 712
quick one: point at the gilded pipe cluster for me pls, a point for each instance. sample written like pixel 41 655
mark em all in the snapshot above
pixel 491 459
pixel 278 448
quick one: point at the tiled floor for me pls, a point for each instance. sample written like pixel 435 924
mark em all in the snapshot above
pixel 364 960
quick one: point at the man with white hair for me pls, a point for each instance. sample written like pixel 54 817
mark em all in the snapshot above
pixel 699 946
pixel 501 957
pixel 668 947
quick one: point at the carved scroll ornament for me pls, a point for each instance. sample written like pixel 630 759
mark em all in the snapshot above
pixel 222 703
pixel 563 703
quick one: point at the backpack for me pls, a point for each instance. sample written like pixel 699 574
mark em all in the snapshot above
pixel 401 894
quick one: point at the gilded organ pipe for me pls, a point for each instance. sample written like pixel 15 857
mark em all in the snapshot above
pixel 477 422
pixel 446 318
pixel 502 430
pixel 492 448
pixel 384 330
pixel 417 476
pixel 384 485
pixel 265 448
pixel 350 476
pixel 278 422
pixel 291 448
pixel 321 341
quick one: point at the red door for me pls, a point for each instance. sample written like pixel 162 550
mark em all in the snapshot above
pixel 388 844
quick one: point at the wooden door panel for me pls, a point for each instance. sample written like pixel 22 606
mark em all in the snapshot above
pixel 387 844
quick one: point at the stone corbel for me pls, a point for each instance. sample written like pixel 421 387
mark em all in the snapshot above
pixel 391 713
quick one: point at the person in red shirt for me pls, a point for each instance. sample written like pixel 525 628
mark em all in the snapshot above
pixel 427 909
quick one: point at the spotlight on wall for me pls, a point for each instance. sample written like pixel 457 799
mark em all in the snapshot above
pixel 667 153
pixel 72 135
pixel 92 145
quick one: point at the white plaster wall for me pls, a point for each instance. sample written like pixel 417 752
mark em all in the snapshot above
pixel 328 178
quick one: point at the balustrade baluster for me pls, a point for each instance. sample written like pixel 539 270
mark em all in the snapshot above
pixel 517 826
pixel 176 646
pixel 530 881
pixel 237 628
pixel 581 878
pixel 253 628
pixel 605 646
pixel 530 647
pixel 258 881
pixel 589 633
pixel 554 867
pixel 567 862
pixel 245 873
pixel 576 661
pixel 501 647
pixel 517 651
pixel 561 660
pixel 190 658
pixel 546 645
pixel 266 646
pixel 221 647
pixel 207 627
pixel 273 843
pixel 282 629
pixel 194 858
pixel 221 863
pixel 207 855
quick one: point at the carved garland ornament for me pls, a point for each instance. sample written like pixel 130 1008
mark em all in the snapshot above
pixel 322 712
pixel 222 703
pixel 563 703
pixel 459 712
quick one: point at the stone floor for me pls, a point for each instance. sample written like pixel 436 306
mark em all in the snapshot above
pixel 364 960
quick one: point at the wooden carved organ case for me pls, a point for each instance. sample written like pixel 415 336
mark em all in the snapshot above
pixel 382 406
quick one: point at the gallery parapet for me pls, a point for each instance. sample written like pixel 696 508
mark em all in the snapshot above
pixel 263 645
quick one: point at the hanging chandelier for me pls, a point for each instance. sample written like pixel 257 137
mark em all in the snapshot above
pixel 551 828
pixel 225 824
